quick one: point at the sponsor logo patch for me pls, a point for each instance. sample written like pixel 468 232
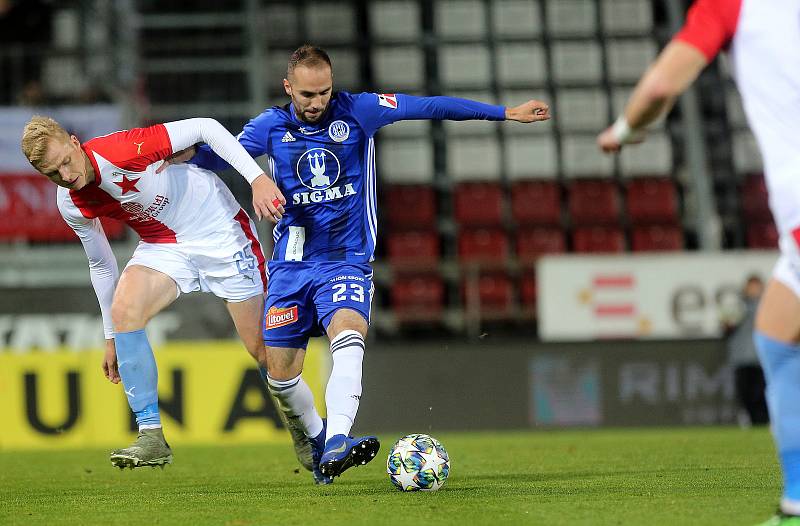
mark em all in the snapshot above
pixel 388 100
pixel 278 317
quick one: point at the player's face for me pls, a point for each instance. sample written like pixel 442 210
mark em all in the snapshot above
pixel 65 164
pixel 310 90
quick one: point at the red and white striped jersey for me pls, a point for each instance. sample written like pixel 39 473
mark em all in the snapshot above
pixel 182 203
pixel 763 38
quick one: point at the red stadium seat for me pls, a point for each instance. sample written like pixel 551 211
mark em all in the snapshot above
pixel 479 204
pixel 755 202
pixel 417 297
pixel 536 203
pixel 483 245
pixel 762 235
pixel 495 293
pixel 410 206
pixel 413 248
pixel 598 239
pixel 656 238
pixel 652 200
pixel 593 202
pixel 536 242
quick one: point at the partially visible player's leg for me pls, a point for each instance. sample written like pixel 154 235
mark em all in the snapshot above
pixel 778 342
pixel 140 294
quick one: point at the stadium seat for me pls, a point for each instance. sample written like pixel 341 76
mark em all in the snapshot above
pixel 459 18
pixel 536 242
pixel 598 239
pixel 464 66
pixel 593 202
pixel 656 238
pixel 733 105
pixel 483 246
pixel 395 20
pixel 521 64
pixel 516 18
pixel 536 203
pixel 627 17
pixel 470 158
pixel 417 297
pixel 331 23
pixel 627 59
pixel 652 200
pixel 577 61
pixel 570 18
pixel 530 156
pixel 478 204
pixel 406 160
pixel 746 155
pixel 495 294
pixel 651 158
pixel 410 206
pixel 397 68
pixel 754 198
pixel 580 157
pixel 582 109
pixel 762 235
pixel 413 248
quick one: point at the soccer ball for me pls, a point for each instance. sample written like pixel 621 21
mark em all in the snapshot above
pixel 418 463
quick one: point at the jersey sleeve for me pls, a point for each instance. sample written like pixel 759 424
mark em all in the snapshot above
pixel 253 138
pixel 103 270
pixel 134 149
pixel 710 25
pixel 373 110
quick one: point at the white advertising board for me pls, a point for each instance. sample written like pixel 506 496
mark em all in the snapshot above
pixel 663 296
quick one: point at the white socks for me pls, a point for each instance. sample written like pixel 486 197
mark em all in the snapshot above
pixel 295 399
pixel 344 386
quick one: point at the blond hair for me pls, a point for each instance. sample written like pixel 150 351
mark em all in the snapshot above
pixel 37 135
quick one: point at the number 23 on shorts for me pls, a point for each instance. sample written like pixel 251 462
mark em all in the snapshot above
pixel 341 292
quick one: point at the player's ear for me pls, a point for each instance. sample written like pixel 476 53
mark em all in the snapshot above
pixel 287 87
pixel 74 140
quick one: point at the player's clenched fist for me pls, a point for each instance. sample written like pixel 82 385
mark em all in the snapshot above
pixel 531 111
pixel 268 201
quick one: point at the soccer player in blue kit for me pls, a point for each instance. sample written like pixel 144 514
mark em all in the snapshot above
pixel 322 156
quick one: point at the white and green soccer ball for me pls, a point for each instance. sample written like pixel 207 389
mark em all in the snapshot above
pixel 418 462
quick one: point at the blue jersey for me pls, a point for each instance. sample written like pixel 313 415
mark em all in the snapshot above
pixel 326 170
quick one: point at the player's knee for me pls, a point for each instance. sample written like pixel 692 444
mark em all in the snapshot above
pixel 126 315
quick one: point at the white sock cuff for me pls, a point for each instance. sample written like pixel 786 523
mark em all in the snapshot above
pixel 282 385
pixel 347 338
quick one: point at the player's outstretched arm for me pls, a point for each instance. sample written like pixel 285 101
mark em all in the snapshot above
pixel 673 72
pixel 531 111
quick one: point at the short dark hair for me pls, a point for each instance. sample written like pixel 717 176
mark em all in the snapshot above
pixel 309 56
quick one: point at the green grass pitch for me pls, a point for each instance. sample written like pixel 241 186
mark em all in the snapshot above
pixel 594 477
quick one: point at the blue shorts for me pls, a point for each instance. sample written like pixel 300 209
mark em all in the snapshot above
pixel 302 297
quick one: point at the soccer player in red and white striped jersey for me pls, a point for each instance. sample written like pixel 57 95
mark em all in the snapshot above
pixel 763 40
pixel 194 237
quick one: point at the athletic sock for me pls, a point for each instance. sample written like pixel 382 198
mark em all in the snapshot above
pixel 781 362
pixel 295 399
pixel 344 386
pixel 137 368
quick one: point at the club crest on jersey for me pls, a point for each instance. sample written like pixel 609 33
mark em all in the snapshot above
pixel 280 316
pixel 318 169
pixel 389 100
pixel 339 131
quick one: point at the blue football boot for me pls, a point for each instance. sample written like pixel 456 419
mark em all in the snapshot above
pixel 343 452
pixel 317 449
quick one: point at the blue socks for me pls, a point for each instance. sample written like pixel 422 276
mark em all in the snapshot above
pixel 781 363
pixel 137 368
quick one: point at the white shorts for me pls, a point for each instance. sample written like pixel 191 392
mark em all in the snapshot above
pixel 228 264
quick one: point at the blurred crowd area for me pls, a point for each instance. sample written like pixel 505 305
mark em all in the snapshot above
pixel 542 189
